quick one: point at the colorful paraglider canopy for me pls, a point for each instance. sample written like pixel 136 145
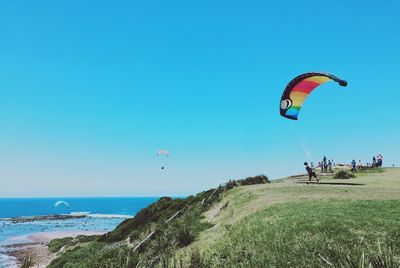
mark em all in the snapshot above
pixel 163 152
pixel 298 90
pixel 59 203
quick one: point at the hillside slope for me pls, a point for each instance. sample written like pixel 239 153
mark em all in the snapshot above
pixel 303 225
pixel 280 224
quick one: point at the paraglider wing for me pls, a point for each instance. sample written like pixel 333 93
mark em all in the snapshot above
pixel 298 90
pixel 163 152
pixel 58 203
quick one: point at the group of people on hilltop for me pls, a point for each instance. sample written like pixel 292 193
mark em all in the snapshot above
pixel 376 162
pixel 326 165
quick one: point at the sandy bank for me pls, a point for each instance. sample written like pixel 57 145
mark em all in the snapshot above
pixel 46 237
pixel 37 250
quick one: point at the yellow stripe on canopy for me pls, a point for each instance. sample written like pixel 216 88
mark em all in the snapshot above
pixel 318 79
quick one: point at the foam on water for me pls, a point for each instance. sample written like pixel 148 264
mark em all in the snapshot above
pixel 118 216
pixel 6 260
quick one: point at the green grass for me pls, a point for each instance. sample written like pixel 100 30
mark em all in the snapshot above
pixel 97 254
pixel 56 244
pixel 115 249
pixel 302 234
pixel 371 170
pixel 283 224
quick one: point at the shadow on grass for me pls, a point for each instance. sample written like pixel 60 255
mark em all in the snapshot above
pixel 331 183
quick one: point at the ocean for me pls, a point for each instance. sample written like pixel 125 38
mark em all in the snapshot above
pixel 102 214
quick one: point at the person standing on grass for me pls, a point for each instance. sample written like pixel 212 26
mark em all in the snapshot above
pixel 310 172
pixel 359 164
pixel 353 166
pixel 330 166
pixel 379 160
pixel 324 165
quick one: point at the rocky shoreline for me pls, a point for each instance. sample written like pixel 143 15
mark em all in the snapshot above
pixel 44 218
pixel 37 251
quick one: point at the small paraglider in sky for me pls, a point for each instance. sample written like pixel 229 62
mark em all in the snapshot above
pixel 59 203
pixel 161 153
pixel 298 90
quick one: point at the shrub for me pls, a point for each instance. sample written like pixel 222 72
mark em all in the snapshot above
pixel 134 236
pixel 156 212
pixel 343 175
pixel 56 244
pixel 86 238
pixel 184 236
pixel 260 179
pixel 230 184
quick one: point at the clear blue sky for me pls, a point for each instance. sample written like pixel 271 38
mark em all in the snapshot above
pixel 90 90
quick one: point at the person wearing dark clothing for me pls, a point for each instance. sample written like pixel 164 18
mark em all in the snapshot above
pixel 374 161
pixel 379 160
pixel 353 166
pixel 311 173
pixel 324 165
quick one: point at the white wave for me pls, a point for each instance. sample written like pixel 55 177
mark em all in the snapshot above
pixel 99 215
pixel 20 239
pixel 7 261
pixel 79 213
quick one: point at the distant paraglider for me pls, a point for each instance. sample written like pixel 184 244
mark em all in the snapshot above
pixel 163 152
pixel 298 90
pixel 59 203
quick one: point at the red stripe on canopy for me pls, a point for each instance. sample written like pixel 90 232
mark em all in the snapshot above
pixel 305 86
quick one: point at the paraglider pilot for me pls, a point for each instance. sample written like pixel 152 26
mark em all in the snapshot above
pixel 311 172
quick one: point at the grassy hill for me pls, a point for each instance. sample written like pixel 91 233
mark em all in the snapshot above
pixel 338 223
